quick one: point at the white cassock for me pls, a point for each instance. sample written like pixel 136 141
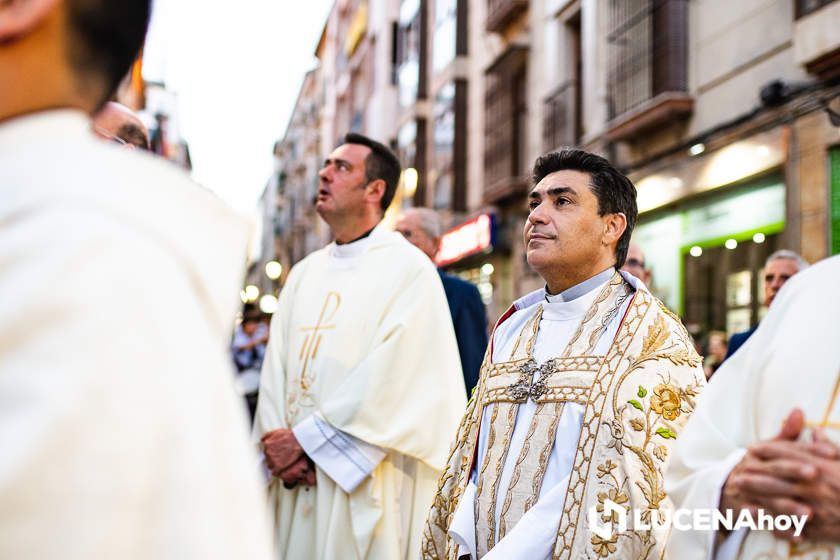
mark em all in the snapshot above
pixel 363 365
pixel 792 360
pixel 532 538
pixel 120 433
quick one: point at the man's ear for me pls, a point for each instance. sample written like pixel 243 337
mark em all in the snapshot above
pixel 20 17
pixel 375 190
pixel 614 226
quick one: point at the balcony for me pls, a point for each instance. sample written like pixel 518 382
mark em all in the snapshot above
pixel 500 13
pixel 664 108
pixel 648 66
pixel 561 118
pixel 505 105
pixel 816 43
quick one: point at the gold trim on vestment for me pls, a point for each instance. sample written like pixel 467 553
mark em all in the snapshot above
pixel 299 389
pixel 570 517
pixel 497 454
pixel 642 392
pixel 512 383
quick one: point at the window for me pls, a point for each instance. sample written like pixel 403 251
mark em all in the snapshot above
pixel 408 52
pixel 445 33
pixel 505 125
pixel 562 110
pixel 648 50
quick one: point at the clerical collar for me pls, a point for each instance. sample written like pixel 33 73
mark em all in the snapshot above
pixel 358 246
pixel 365 234
pixel 578 290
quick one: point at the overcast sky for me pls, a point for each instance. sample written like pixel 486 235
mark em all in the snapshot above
pixel 237 68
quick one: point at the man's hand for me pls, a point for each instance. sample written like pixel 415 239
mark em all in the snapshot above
pixel 773 474
pixel 281 450
pixel 286 459
pixel 779 475
pixel 301 471
pixel 825 501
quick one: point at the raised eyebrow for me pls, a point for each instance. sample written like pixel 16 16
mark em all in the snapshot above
pixel 557 191
pixel 336 161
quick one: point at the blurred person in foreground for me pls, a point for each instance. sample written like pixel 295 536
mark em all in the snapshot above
pixel 766 430
pixel 118 123
pixel 582 394
pixel 422 227
pixel 778 269
pixel 361 388
pixel 120 432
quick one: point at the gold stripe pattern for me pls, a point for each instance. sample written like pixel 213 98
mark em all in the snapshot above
pixel 514 382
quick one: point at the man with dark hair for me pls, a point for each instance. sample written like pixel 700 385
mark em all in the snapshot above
pixel 120 431
pixel 614 192
pixel 103 39
pixel 380 163
pixel 117 123
pixel 583 391
pixel 361 386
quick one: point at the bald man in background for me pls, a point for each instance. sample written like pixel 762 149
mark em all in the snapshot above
pixel 120 124
pixel 423 229
pixel 635 264
pixel 778 268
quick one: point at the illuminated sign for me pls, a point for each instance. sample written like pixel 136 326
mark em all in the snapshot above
pixel 469 238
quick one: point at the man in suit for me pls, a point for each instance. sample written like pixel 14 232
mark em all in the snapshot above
pixel 778 269
pixel 422 227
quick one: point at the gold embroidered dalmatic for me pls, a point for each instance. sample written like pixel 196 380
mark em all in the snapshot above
pixel 636 398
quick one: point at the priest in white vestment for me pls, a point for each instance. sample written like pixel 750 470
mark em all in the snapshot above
pixel 121 436
pixel 361 387
pixel 585 385
pixel 745 419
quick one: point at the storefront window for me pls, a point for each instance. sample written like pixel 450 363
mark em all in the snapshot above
pixel 697 230
pixel 724 285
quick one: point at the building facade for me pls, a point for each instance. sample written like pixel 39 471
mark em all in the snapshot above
pixel 716 110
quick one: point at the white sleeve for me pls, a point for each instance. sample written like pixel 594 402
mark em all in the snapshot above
pixel 532 538
pixel 462 528
pixel 345 459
